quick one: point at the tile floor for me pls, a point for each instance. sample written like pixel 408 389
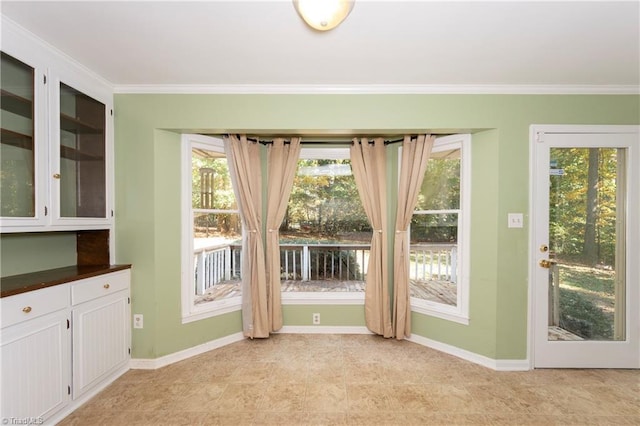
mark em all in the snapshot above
pixel 297 379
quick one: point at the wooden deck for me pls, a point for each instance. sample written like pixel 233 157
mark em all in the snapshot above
pixel 562 335
pixel 436 291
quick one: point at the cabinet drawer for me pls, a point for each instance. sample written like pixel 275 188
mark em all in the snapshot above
pixel 103 285
pixel 25 306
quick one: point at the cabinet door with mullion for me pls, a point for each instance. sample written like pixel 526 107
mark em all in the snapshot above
pixel 23 144
pixel 80 158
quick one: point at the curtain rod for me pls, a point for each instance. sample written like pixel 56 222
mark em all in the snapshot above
pixel 269 142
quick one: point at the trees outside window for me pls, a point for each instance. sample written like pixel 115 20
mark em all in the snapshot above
pixel 325 234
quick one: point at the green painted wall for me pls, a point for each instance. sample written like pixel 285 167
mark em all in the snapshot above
pixel 23 253
pixel 330 315
pixel 148 197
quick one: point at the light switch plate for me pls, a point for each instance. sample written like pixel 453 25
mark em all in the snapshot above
pixel 515 220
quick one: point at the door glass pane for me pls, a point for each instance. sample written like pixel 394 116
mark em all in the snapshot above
pixel 17 179
pixel 586 244
pixel 82 155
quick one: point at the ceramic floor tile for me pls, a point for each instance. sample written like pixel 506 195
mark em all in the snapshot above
pixel 325 397
pixel 240 397
pixel 326 372
pixel 283 397
pixel 449 398
pixel 193 397
pixel 293 379
pixel 369 398
pixel 256 372
pixel 363 373
pixel 410 398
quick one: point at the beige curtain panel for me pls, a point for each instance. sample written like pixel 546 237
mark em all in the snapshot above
pixel 243 157
pixel 415 155
pixel 368 161
pixel 282 162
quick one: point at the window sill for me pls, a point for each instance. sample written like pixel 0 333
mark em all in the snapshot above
pixel 323 298
pixel 439 310
pixel 212 309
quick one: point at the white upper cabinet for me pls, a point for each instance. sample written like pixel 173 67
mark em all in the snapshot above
pixel 22 143
pixel 57 139
pixel 79 157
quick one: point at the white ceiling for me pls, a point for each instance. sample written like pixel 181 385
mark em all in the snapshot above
pixel 382 43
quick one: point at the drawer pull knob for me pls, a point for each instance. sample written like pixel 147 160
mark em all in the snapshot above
pixel 26 309
pixel 106 286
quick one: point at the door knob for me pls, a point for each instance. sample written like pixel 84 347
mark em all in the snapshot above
pixel 547 263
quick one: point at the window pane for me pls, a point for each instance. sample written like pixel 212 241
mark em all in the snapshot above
pixel 441 186
pixel 433 267
pixel 217 246
pixel 211 188
pixel 434 228
pixel 212 229
pixel 325 236
pixel 324 205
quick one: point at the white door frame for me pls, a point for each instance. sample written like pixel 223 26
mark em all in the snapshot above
pixel 537 131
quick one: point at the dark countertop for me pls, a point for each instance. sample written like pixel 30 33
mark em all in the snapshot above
pixel 23 283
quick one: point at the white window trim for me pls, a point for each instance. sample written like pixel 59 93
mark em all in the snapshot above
pixel 322 298
pixel 460 312
pixel 190 311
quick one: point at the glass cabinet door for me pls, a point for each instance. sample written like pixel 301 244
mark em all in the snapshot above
pixel 17 151
pixel 82 172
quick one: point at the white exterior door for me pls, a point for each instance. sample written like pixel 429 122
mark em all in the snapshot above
pixel 585 240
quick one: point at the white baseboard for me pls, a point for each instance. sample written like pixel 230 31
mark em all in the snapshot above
pixel 494 364
pixel 324 329
pixel 152 364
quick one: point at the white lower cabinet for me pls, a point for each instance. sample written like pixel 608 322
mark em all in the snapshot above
pixel 101 329
pixel 35 367
pixel 43 378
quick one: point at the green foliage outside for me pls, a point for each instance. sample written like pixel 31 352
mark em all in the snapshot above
pixel 440 191
pixel 324 205
pixel 582 237
pixel 212 190
pixel 587 302
pixel 569 204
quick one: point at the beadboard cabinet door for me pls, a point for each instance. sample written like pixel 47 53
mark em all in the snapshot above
pixel 101 329
pixel 36 363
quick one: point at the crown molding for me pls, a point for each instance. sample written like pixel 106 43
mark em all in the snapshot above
pixel 19 41
pixel 15 36
pixel 379 89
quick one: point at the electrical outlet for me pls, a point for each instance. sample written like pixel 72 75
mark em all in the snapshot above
pixel 316 319
pixel 138 321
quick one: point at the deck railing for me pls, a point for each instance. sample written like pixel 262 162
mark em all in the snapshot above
pixel 433 262
pixel 318 262
pixel 215 264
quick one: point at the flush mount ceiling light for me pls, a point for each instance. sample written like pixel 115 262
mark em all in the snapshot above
pixel 323 15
